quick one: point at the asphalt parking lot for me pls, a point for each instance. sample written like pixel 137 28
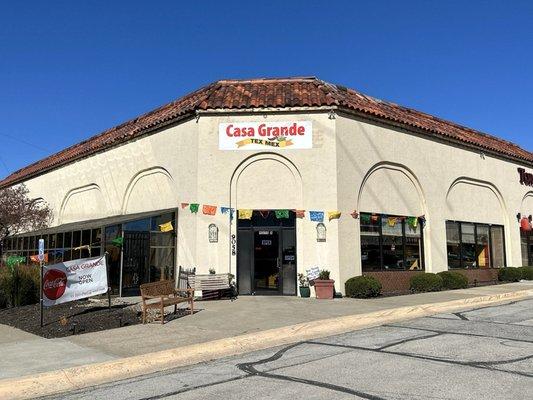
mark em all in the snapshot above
pixel 478 354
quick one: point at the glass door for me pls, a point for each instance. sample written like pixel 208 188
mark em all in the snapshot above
pixel 267 260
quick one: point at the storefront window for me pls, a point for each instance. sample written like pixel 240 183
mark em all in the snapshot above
pixel 392 243
pixel 498 246
pixel 471 245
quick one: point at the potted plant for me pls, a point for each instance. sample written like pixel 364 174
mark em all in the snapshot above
pixel 324 287
pixel 305 291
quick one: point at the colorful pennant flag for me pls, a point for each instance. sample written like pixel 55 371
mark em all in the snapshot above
pixel 316 216
pixel 412 222
pixel 245 214
pixel 365 219
pixel 300 213
pixel 375 218
pixel 391 221
pixel 184 205
pixel 354 214
pixel 264 213
pixel 282 214
pixel 166 227
pixel 333 215
pixel 209 210
pixel 194 207
pixel 118 241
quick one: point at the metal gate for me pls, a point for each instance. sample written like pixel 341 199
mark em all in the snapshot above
pixel 135 268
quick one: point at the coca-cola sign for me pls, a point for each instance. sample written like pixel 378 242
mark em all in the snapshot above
pixel 74 280
pixel 54 284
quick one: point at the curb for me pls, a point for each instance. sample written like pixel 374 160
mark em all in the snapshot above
pixel 65 380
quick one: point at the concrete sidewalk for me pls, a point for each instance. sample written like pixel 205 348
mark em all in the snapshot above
pixel 25 354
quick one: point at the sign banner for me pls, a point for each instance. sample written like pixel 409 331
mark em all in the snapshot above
pixel 265 135
pixel 74 280
pixel 313 273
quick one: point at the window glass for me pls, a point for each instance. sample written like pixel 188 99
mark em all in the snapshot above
pixel 482 246
pixel 96 237
pixel 525 249
pixel 67 243
pixel 76 240
pixel 52 241
pixel 86 237
pixel 59 240
pixel 161 219
pixel 370 225
pixel 497 244
pixel 468 245
pixel 161 264
pixel 138 225
pixel 390 243
pixel 453 244
pixel 370 252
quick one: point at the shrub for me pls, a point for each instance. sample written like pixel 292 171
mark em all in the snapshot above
pixel 362 287
pixel 453 280
pixel 323 275
pixel 426 282
pixel 509 274
pixel 19 286
pixel 527 273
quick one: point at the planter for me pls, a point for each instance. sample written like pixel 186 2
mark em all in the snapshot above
pixel 305 291
pixel 324 288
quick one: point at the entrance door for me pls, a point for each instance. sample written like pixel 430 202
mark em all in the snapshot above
pixel 135 269
pixel 266 254
pixel 267 260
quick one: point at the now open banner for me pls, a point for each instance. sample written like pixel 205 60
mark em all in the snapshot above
pixel 265 135
pixel 74 280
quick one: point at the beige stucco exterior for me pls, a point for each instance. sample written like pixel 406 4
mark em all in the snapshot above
pixel 353 165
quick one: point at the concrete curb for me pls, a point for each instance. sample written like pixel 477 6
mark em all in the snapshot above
pixel 65 380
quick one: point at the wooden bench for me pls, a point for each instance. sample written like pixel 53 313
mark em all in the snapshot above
pixel 166 295
pixel 212 286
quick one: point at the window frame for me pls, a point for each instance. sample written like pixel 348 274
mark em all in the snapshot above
pixel 403 221
pixel 476 243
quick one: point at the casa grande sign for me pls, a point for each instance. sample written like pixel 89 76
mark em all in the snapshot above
pixel 265 135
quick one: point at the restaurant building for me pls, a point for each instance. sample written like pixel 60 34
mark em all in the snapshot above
pixel 267 178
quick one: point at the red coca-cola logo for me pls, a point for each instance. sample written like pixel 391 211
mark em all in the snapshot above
pixel 54 284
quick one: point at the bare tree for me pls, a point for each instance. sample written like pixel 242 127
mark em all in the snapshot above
pixel 19 213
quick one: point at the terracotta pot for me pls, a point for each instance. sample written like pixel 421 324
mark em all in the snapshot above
pixel 324 288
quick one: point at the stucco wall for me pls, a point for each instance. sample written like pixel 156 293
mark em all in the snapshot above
pixel 416 174
pixel 353 165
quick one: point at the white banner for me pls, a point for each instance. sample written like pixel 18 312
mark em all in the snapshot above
pixel 265 135
pixel 74 280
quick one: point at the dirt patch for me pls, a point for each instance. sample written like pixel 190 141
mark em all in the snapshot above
pixel 71 318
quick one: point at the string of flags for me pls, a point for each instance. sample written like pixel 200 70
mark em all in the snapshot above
pixel 314 215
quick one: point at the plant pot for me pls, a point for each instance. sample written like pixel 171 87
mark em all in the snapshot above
pixel 324 288
pixel 305 291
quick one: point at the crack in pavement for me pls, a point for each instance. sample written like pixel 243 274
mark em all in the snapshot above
pixel 250 369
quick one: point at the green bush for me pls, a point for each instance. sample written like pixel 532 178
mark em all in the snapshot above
pixel 426 282
pixel 323 275
pixel 509 274
pixel 453 280
pixel 19 286
pixel 362 287
pixel 527 273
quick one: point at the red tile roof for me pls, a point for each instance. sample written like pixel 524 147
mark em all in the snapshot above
pixel 277 93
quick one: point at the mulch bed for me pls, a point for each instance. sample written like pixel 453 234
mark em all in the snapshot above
pixel 71 318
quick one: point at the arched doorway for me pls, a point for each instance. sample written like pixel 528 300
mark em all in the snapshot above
pixel 266 189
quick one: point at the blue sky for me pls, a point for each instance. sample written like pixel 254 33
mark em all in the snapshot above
pixel 70 69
